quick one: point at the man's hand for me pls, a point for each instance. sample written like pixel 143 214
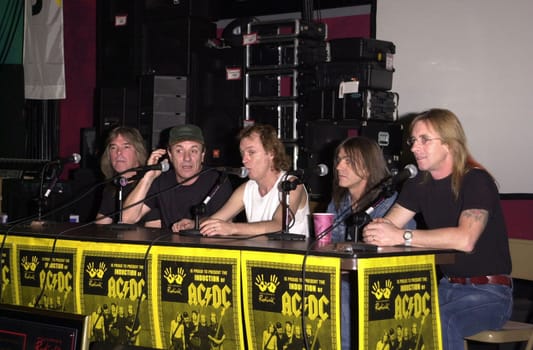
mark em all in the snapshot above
pixel 183 224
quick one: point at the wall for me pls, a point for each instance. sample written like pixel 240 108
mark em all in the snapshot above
pixel 472 57
pixel 76 110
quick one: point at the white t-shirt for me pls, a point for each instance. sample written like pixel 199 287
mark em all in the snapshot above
pixel 262 208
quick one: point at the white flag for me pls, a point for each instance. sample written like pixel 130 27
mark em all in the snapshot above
pixel 44 68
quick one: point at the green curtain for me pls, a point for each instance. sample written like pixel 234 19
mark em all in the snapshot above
pixel 11 31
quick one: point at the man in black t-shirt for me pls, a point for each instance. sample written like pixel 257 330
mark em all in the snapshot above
pixel 187 184
pixel 124 150
pixel 459 202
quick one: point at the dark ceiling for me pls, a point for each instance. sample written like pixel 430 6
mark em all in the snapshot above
pixel 244 8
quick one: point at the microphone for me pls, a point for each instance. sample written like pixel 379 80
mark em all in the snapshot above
pixel 164 166
pixel 200 209
pixel 214 190
pixel 408 172
pixel 122 181
pixel 73 158
pixel 318 170
pixel 241 172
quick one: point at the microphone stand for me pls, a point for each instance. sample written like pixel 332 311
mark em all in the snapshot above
pixel 43 195
pixel 121 183
pixel 361 218
pixel 200 209
pixel 197 211
pixel 358 220
pixel 120 202
pixel 286 187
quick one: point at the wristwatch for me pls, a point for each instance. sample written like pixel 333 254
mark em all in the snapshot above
pixel 407 237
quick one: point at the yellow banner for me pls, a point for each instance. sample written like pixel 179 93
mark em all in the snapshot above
pixel 114 291
pixel 198 298
pixel 278 313
pixel 9 288
pixel 398 303
pixel 45 271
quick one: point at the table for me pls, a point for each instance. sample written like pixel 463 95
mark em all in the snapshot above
pixel 229 284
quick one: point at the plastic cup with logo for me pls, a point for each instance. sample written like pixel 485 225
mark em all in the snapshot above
pixel 321 222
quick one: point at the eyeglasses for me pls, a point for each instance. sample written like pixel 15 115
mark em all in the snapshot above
pixel 422 139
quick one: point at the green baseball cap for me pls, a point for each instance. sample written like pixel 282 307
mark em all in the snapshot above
pixel 185 132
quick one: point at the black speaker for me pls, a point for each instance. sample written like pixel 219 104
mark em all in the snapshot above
pixel 168 46
pixel 164 103
pixel 119 45
pixel 13 139
pixel 20 199
pixel 89 148
pixel 220 105
pixel 165 9
pixel 136 37
pixel 320 139
pixel 117 106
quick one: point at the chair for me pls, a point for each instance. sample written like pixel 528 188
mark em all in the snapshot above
pixel 512 331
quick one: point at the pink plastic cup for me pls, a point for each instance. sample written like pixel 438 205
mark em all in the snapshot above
pixel 321 222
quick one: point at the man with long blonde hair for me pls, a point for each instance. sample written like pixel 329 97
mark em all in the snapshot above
pixel 459 201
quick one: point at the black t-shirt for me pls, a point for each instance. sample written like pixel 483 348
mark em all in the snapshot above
pixel 111 204
pixel 175 202
pixel 434 199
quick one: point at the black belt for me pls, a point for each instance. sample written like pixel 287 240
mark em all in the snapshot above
pixel 489 279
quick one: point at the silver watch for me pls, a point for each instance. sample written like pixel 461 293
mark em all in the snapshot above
pixel 407 237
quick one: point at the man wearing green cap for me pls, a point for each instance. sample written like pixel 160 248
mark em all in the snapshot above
pixel 176 192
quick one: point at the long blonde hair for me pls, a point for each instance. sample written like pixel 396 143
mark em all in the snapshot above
pixel 449 128
pixel 134 137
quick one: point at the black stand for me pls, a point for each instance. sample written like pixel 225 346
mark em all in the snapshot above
pixel 121 182
pixel 358 221
pixel 120 203
pixel 198 210
pixel 42 201
pixel 120 225
pixel 286 186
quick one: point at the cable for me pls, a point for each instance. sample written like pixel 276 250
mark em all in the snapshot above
pixel 343 216
pixel 144 276
pixel 77 227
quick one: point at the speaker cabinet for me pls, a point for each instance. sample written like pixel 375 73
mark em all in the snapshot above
pixel 89 148
pixel 117 106
pixel 168 46
pixel 321 138
pixel 13 139
pixel 164 103
pixel 136 37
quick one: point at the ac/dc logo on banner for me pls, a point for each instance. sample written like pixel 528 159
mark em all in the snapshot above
pixel 280 290
pixel 39 269
pixel 197 284
pixel 400 296
pixel 117 278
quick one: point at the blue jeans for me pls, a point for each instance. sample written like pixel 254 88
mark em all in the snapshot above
pixel 468 309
